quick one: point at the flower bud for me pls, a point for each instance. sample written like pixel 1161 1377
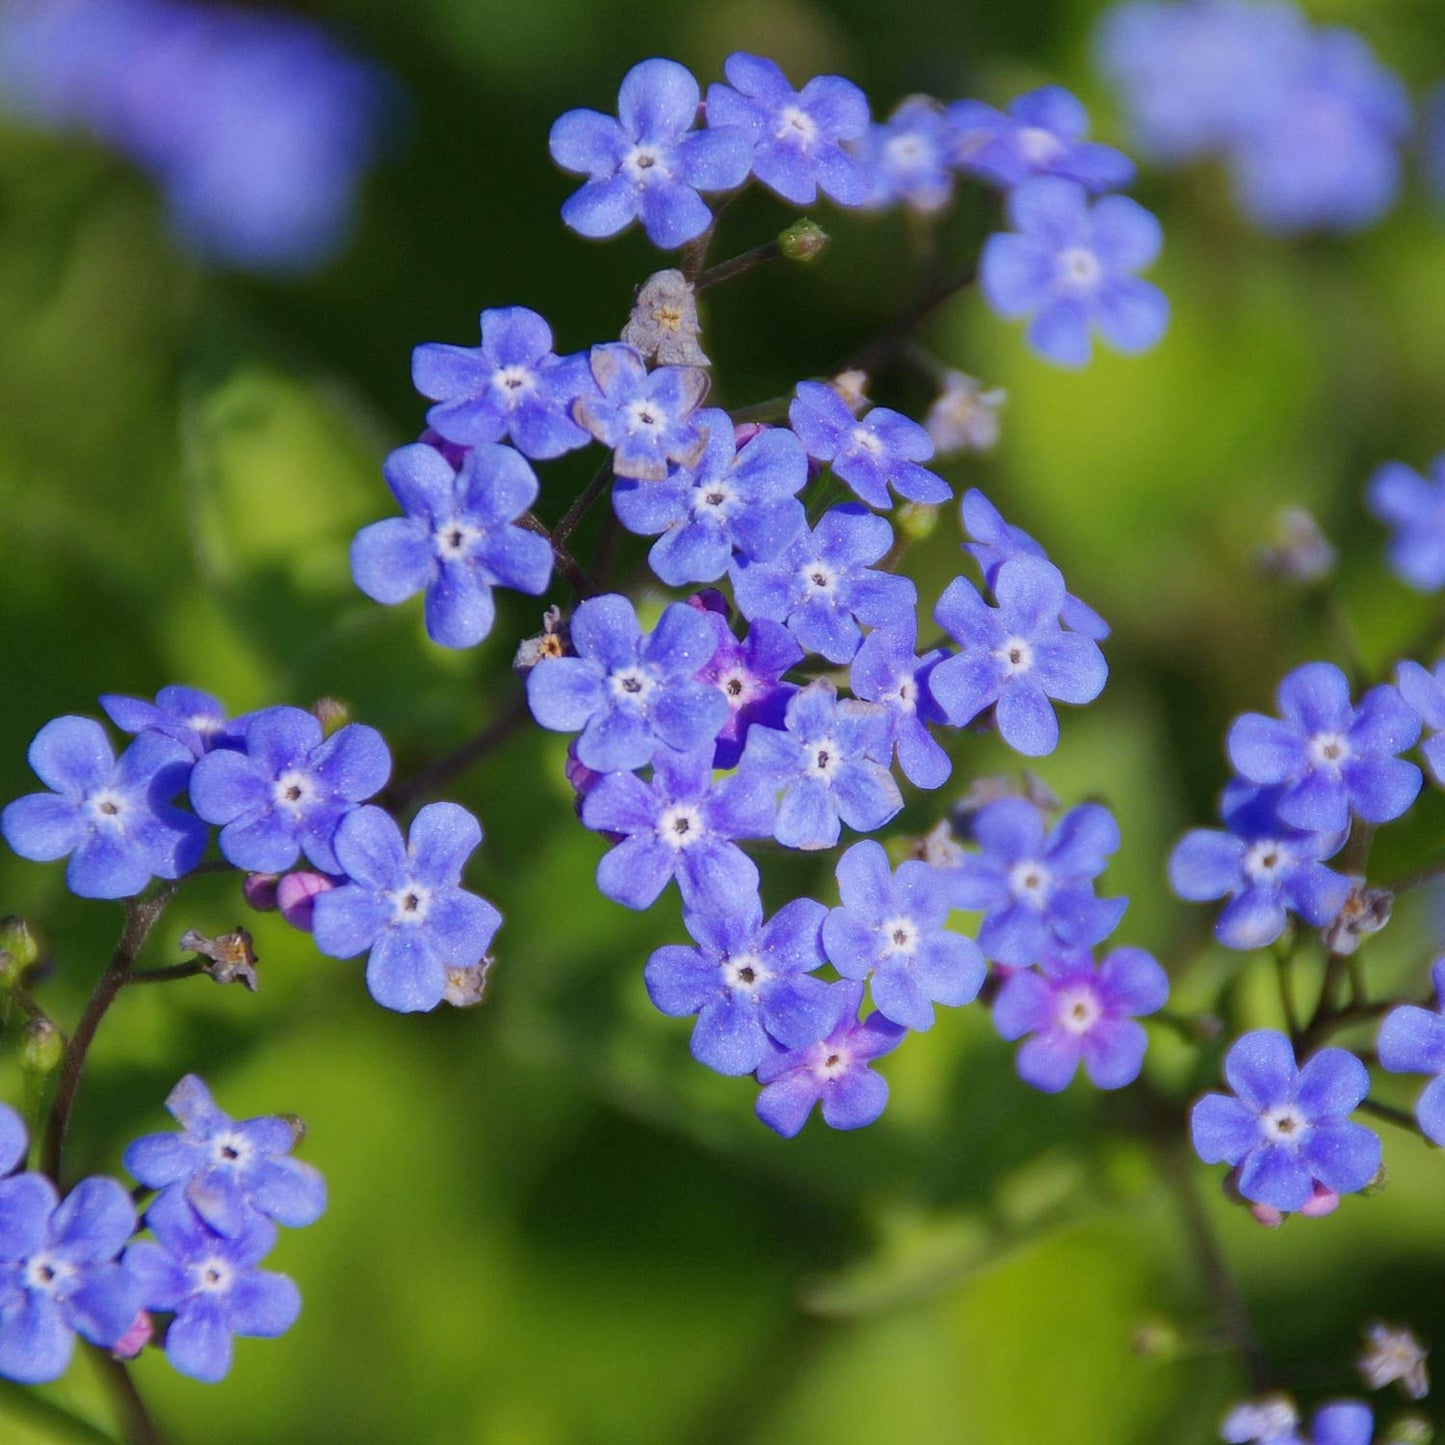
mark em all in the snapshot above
pixel 1409 1430
pixel 331 714
pixel 18 947
pixel 296 894
pixel 803 241
pixel 259 891
pixel 42 1046
pixel 916 521
pixel 1156 1339
pixel 135 1339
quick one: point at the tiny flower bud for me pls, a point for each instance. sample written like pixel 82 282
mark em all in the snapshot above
pixel 1299 552
pixel 1394 1355
pixel 296 893
pixel 963 418
pixel 331 714
pixel 709 599
pixel 1156 1339
pixel 938 847
pixel 552 641
pixel 664 325
pixel 17 940
pixel 1376 1185
pixel 852 386
pixel 745 431
pixel 916 521
pixel 804 240
pixel 454 452
pixel 1409 1430
pixel 259 891
pixel 42 1046
pixel 1365 911
pixel 135 1339
pixel 1267 1215
pixel 466 987
pixel 230 957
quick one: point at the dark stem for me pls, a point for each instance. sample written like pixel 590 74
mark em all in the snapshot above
pixel 896 337
pixel 694 254
pixel 775 408
pixel 496 732
pixel 164 975
pixel 136 1422
pixel 583 503
pixel 567 564
pixel 739 265
pixel 141 915
pixel 1390 1114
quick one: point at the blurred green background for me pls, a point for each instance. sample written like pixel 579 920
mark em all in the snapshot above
pixel 547 1225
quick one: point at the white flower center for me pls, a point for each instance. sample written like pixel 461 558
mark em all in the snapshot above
pixel 713 500
pixel 900 935
pixel 632 685
pixel 745 973
pixel 1016 655
pixel 906 152
pixel 230 1150
pixel 736 686
pixel 644 165
pixel 1039 146
pixel 1077 1009
pixel 831 1062
pixel 796 126
pixel 514 382
pixel 1329 751
pixel 680 826
pixel 825 757
pixel 1029 882
pixel 204 725
pixel 454 539
pixel 108 807
pixel 410 904
pixel 905 693
pixel 819 577
pixel 644 415
pixel 863 440
pixel 46 1273
pixel 1079 267
pixel 213 1275
pixel 1284 1124
pixel 1266 860
pixel 293 790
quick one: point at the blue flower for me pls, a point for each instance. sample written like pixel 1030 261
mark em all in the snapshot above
pixel 1402 499
pixel 1070 267
pixel 1346 1422
pixel 1425 692
pixel 112 816
pixel 210 1283
pixel 229 1171
pixel 1076 1012
pixel 680 825
pixel 287 792
pixel 891 928
pixel 457 540
pixel 869 453
pixel 404 903
pixel 996 542
pixel 627 692
pixel 830 764
pixel 797 135
pixel 822 586
pixel 1288 1126
pixel 649 162
pixel 1412 1041
pixel 189 716
pixel 748 674
pixel 1015 657
pixel 513 386
pixel 1327 756
pixel 908 157
pixel 885 671
pixel 749 983
pixel 834 1073
pixel 733 498
pixel 1036 890
pixel 1263 866
pixel 648 418
pixel 59 1275
pixel 1042 134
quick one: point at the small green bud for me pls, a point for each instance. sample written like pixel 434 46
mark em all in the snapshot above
pixel 916 521
pixel 1376 1185
pixel 803 241
pixel 1409 1430
pixel 331 714
pixel 1156 1339
pixel 42 1046
pixel 18 945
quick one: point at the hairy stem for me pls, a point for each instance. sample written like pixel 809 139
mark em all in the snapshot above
pixel 163 975
pixel 739 265
pixel 567 564
pixel 601 478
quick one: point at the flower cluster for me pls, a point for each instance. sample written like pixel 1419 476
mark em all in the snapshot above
pixel 1309 122
pixel 256 125
pixel 282 792
pixel 76 1266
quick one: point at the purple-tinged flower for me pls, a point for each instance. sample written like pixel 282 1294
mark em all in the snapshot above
pixel 1069 266
pixel 404 903
pixel 1325 156
pixel 1414 507
pixel 1074 1011
pixel 210 1283
pixel 511 387
pixel 1288 1126
pixel 287 792
pixel 822 586
pixel 111 815
pixel 625 691
pixel 907 157
pixel 1346 1422
pixel 963 417
pixel 797 135
pixel 189 716
pixel 996 542
pixel 14 1144
pixel 748 982
pixel 649 162
pixel 831 763
pixel 1036 889
pixel 870 452
pixel 1327 756
pixel 891 929
pixel 1412 1041
pixel 834 1073
pixel 1043 134
pixel 1262 866
pixel 1261 1421
pixel 229 1171
pixel 58 1273
pixel 741 499
pixel 886 671
pixel 680 825
pixel 1393 1356
pixel 749 673
pixel 457 540
pixel 296 895
pixel 648 418
pixel 1425 693
pixel 1015 657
